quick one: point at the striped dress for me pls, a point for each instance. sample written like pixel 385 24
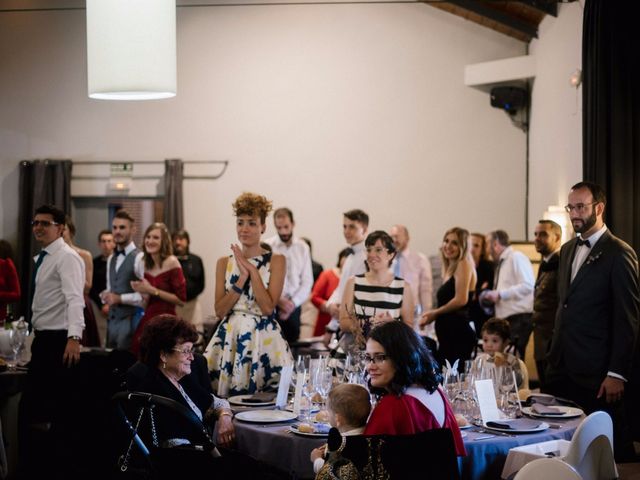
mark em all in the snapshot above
pixel 370 300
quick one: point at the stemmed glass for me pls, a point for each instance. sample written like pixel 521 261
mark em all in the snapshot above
pixel 308 391
pixel 17 338
pixel 324 382
pixel 504 380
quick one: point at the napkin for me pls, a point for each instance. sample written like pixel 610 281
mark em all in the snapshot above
pixel 322 427
pixel 541 409
pixel 516 424
pixel 260 397
pixel 542 399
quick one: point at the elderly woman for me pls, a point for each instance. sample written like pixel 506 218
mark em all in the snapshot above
pixel 376 296
pixel 166 350
pixel 456 338
pixel 404 377
pixel 247 351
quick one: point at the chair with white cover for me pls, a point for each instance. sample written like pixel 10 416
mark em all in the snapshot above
pixel 591 448
pixel 550 468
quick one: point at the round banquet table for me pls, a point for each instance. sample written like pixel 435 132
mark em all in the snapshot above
pixel 274 444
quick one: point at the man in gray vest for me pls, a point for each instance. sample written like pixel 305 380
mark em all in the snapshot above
pixel 123 266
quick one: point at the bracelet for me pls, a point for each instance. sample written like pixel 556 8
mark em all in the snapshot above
pixel 156 293
pixel 236 289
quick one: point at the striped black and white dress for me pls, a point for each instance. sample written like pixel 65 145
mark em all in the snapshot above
pixel 370 300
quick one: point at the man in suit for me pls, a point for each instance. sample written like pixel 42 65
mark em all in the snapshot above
pixel 547 239
pixel 594 337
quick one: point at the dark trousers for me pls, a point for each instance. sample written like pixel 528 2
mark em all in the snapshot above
pixel 43 407
pixel 563 386
pixel 541 366
pixel 290 326
pixel 521 327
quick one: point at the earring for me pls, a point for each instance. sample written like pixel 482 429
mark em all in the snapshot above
pixel 164 365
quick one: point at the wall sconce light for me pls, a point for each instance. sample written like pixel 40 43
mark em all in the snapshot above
pixel 131 49
pixel 576 78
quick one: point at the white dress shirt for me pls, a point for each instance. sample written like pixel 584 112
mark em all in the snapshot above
pixel 515 284
pixel 582 251
pixel 58 302
pixel 299 277
pixel 133 298
pixel 415 269
pixel 353 265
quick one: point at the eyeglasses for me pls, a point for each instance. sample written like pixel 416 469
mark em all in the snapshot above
pixel 377 250
pixel 185 351
pixel 42 223
pixel 578 207
pixel 376 358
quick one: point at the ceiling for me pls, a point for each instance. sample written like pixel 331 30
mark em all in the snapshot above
pixel 516 18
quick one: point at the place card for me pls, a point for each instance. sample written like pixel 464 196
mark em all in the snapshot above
pixel 283 388
pixel 487 400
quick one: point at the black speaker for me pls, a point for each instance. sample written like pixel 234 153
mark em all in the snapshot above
pixel 510 99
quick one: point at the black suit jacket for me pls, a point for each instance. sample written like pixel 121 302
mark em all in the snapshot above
pixel 598 313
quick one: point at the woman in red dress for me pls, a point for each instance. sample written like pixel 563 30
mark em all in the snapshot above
pixel 9 282
pixel 163 284
pixel 323 288
pixel 403 375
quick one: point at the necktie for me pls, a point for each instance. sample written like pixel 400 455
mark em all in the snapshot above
pixel 582 242
pixel 33 279
pixel 396 268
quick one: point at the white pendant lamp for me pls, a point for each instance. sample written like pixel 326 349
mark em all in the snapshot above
pixel 131 49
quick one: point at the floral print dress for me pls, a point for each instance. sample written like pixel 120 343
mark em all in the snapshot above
pixel 247 351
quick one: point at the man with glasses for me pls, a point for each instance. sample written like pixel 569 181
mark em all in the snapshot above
pixel 596 325
pixel 57 304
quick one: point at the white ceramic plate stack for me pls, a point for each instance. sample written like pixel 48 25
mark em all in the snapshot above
pixel 265 416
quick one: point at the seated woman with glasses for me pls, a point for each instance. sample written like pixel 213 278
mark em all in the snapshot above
pixel 404 377
pixel 377 296
pixel 169 368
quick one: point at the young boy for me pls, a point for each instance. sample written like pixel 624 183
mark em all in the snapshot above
pixel 495 340
pixel 348 406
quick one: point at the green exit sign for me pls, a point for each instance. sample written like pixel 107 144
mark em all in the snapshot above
pixel 122 169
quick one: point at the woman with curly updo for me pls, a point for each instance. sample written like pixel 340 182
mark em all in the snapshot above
pixel 247 351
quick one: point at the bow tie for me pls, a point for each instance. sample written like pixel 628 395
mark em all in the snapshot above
pixel 118 252
pixel 583 242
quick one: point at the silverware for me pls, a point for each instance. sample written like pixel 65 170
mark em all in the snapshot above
pixel 484 437
pixel 493 432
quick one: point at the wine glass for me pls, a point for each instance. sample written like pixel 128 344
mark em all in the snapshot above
pixel 504 380
pixel 308 391
pixel 324 382
pixel 17 337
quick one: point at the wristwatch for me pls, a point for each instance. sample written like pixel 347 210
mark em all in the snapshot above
pixel 75 337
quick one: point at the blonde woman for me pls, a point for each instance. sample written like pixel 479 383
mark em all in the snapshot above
pixel 456 338
pixel 247 351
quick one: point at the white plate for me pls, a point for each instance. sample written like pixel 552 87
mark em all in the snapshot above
pixel 294 429
pixel 567 412
pixel 240 400
pixel 540 428
pixel 266 416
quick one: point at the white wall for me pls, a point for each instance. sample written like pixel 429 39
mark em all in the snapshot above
pixel 556 111
pixel 322 108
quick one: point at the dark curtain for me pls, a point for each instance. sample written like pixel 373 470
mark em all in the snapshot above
pixel 41 182
pixel 173 207
pixel 611 111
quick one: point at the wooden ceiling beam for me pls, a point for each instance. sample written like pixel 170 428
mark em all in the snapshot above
pixel 498 16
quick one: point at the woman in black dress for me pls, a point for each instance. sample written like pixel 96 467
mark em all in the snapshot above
pixel 484 272
pixel 456 338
